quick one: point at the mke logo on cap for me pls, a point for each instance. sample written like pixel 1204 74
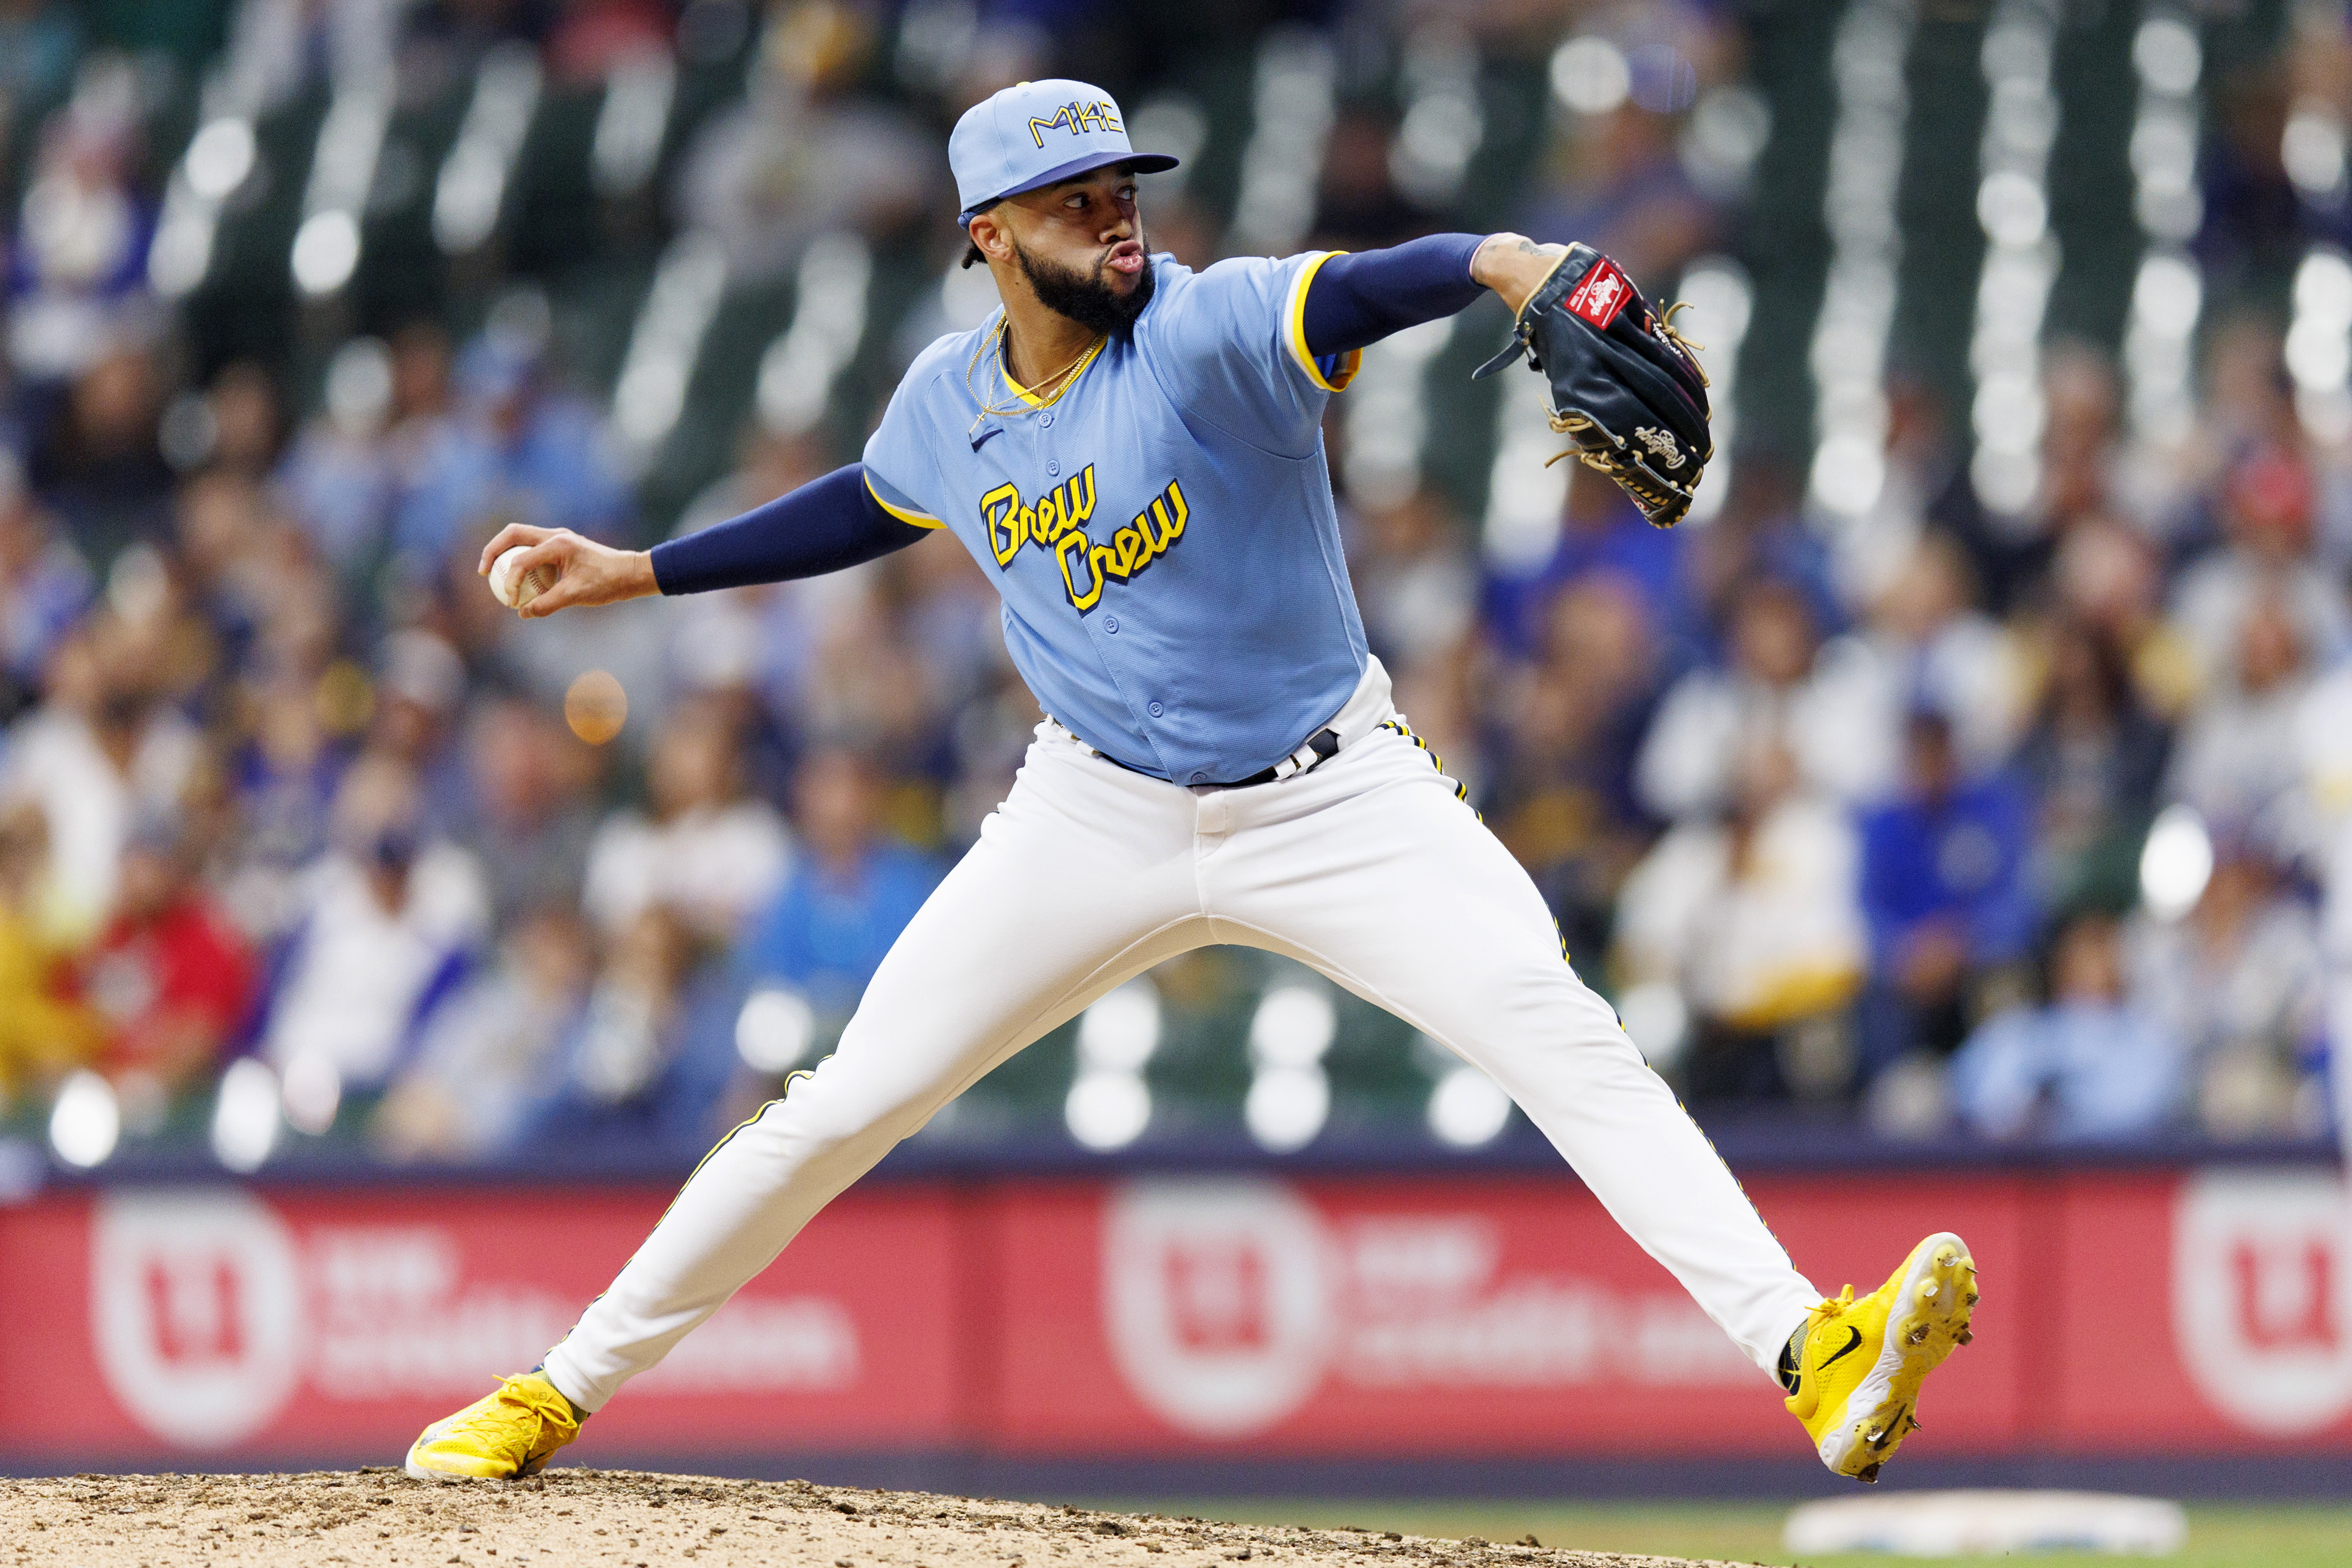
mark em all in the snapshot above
pixel 1077 119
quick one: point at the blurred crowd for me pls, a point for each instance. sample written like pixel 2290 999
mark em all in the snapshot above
pixel 2017 824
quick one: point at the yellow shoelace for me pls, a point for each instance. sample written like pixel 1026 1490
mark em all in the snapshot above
pixel 512 1415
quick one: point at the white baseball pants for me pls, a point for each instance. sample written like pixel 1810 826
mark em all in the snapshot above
pixel 1368 867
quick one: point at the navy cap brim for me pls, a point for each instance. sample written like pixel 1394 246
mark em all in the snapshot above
pixel 1138 162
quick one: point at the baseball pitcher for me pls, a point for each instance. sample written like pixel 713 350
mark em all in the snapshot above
pixel 1132 452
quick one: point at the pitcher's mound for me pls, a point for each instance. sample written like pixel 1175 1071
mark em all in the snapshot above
pixel 623 1519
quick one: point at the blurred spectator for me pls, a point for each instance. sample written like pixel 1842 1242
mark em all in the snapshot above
pixel 253 580
pixel 2092 1065
pixel 1832 706
pixel 43 1031
pixel 1949 656
pixel 518 450
pixel 1358 207
pixel 708 852
pixel 2247 407
pixel 802 154
pixel 1619 185
pixel 242 422
pixel 2091 758
pixel 338 477
pixel 2012 554
pixel 424 397
pixel 531 824
pixel 419 687
pixel 77 268
pixel 2268 556
pixel 1925 479
pixel 767 465
pixel 2253 230
pixel 1415 578
pixel 2108 577
pixel 95 755
pixel 639 1063
pixel 171 975
pixel 750 650
pixel 1560 795
pixel 2237 760
pixel 1763 533
pixel 97 464
pixel 284 779
pixel 1600 532
pixel 486 1054
pixel 1944 888
pixel 897 648
pixel 1755 921
pixel 2080 445
pixel 387 918
pixel 2322 745
pixel 2239 981
pixel 849 895
pixel 1184 229
pixel 44 585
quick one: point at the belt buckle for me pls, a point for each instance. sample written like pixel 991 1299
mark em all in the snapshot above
pixel 1320 747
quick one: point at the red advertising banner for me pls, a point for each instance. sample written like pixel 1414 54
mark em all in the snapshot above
pixel 1455 1316
pixel 214 1321
pixel 2204 1311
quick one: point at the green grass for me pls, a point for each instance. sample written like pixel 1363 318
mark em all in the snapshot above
pixel 2271 1536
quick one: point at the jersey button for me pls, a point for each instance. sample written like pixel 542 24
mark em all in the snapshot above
pixel 1045 420
pixel 1110 623
pixel 1155 711
pixel 1053 468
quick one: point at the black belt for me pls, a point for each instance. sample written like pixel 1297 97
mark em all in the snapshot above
pixel 1320 746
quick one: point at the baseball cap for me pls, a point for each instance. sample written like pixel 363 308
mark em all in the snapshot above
pixel 1034 133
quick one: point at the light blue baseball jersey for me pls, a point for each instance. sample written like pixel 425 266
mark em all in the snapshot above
pixel 1161 529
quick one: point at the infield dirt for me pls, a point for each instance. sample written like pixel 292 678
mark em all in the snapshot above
pixel 630 1520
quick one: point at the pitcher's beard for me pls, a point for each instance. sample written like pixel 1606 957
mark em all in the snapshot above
pixel 1087 298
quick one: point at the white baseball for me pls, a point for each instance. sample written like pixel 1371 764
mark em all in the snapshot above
pixel 514 594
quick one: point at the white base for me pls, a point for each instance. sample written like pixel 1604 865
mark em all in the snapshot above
pixel 1967 1523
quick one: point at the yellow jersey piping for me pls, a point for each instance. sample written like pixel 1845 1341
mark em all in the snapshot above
pixel 916 518
pixel 1297 316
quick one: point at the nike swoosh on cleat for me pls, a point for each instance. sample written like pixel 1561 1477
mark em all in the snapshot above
pixel 1846 1350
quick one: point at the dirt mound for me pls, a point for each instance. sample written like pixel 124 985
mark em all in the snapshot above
pixel 630 1520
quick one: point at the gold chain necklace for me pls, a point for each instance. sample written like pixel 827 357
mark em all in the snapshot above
pixel 1045 392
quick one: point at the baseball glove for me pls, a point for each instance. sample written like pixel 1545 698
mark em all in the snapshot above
pixel 1624 386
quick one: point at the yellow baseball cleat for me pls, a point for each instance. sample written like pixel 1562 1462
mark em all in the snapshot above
pixel 1857 1388
pixel 502 1435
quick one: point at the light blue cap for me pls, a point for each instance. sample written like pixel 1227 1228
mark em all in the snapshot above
pixel 1035 132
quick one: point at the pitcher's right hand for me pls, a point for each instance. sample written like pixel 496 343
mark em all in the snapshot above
pixel 588 572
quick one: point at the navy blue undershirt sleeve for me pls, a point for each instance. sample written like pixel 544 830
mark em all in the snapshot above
pixel 823 526
pixel 1362 297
